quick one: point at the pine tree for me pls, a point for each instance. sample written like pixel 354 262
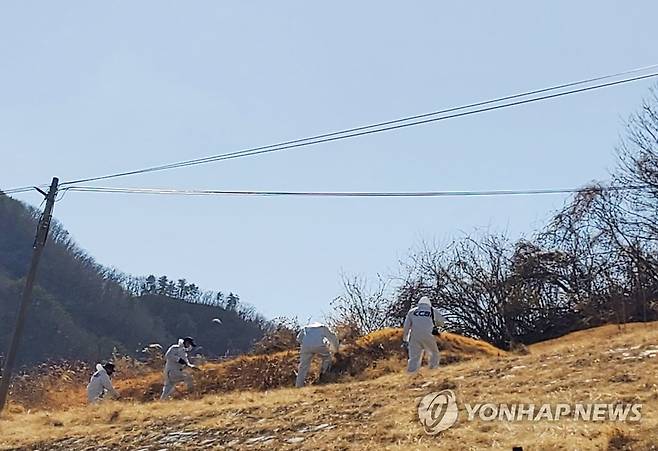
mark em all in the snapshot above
pixel 150 284
pixel 193 292
pixel 182 288
pixel 163 282
pixel 232 302
pixel 171 289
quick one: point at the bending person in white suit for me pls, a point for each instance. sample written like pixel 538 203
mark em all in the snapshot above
pixel 315 339
pixel 100 384
pixel 176 361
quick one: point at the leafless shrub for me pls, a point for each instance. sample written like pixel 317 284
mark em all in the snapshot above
pixel 362 308
pixel 280 335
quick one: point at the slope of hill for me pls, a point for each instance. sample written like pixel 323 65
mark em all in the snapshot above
pixel 81 311
pixel 374 355
pixel 604 365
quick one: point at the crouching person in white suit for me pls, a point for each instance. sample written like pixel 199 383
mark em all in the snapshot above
pixel 417 334
pixel 176 361
pixel 100 384
pixel 315 339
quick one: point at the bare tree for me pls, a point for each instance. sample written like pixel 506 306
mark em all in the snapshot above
pixel 638 172
pixel 367 308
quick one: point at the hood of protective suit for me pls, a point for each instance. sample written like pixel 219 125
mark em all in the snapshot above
pixel 425 300
pixel 181 343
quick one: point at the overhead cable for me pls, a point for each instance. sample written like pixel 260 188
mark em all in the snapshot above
pixel 410 121
pixel 205 192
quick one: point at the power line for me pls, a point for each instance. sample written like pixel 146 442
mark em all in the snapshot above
pixel 388 125
pixel 23 189
pixel 16 190
pixel 376 128
pixel 200 192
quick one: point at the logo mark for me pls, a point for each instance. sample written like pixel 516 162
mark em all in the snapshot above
pixel 438 411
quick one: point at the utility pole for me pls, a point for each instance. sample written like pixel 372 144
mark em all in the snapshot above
pixel 40 241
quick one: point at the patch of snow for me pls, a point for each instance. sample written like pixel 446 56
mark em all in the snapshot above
pixel 262 438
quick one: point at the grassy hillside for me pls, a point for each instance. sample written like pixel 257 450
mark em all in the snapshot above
pixel 63 386
pixel 607 364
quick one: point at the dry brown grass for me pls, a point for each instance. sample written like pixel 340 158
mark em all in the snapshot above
pixel 49 384
pixel 380 413
pixel 371 356
pixel 54 385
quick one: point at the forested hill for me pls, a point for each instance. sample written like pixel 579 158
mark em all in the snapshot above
pixel 82 310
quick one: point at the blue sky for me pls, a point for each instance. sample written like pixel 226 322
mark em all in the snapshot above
pixel 88 88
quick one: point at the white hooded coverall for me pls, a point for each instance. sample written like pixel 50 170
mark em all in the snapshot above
pixel 100 384
pixel 173 371
pixel 315 339
pixel 418 333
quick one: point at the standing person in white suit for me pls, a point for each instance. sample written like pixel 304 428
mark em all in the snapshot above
pixel 315 339
pixel 418 336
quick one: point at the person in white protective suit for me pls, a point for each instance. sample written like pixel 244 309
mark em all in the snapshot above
pixel 417 334
pixel 100 384
pixel 315 339
pixel 176 361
